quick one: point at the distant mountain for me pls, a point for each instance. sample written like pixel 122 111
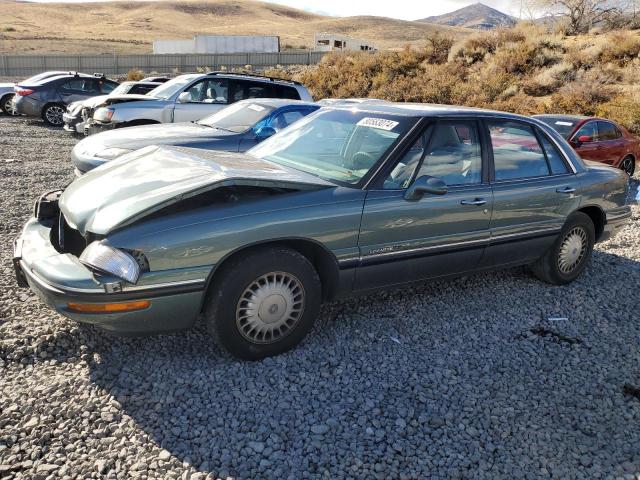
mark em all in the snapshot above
pixel 478 16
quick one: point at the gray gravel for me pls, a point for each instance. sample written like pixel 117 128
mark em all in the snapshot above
pixel 463 379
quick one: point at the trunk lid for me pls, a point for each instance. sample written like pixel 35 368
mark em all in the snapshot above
pixel 142 182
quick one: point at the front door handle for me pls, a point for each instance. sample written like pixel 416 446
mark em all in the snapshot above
pixel 566 190
pixel 477 201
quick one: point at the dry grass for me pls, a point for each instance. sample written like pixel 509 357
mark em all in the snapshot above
pixel 127 27
pixel 522 70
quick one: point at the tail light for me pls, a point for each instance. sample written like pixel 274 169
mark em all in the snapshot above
pixel 23 92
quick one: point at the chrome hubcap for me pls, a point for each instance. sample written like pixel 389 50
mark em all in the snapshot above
pixel 572 250
pixel 270 307
pixel 54 115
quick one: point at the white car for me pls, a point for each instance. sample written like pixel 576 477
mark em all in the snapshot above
pixel 191 97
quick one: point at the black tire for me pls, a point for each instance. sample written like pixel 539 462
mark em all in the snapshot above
pixel 52 114
pixel 628 165
pixel 291 311
pixel 5 105
pixel 555 266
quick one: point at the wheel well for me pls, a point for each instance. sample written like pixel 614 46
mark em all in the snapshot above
pixel 597 217
pixel 322 260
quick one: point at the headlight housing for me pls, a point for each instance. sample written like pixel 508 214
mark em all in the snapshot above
pixel 111 153
pixel 103 114
pixel 112 261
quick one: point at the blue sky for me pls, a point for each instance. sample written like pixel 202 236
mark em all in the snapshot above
pixel 404 9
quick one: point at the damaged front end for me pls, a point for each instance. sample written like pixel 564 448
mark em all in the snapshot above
pixel 106 249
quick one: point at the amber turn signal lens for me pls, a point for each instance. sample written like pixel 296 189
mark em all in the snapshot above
pixel 108 307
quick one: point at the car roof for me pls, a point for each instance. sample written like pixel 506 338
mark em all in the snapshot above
pixel 278 102
pixel 561 116
pixel 426 110
pixel 47 80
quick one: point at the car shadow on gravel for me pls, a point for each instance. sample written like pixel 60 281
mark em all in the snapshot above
pixel 414 380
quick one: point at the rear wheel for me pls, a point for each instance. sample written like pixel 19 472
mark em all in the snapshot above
pixel 52 114
pixel 628 165
pixel 263 303
pixel 6 105
pixel 570 253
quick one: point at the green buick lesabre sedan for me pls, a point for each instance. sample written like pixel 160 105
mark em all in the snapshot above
pixel 350 199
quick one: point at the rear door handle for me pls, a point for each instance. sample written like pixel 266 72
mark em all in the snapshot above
pixel 477 201
pixel 566 190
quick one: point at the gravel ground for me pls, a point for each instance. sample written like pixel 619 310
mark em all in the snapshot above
pixel 463 379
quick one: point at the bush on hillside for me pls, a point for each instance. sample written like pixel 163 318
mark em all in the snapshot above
pixel 135 75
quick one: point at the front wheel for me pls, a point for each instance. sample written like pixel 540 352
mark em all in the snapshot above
pixel 52 114
pixel 263 303
pixel 628 165
pixel 570 253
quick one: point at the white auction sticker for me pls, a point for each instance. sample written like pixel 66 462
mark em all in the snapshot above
pixel 381 123
pixel 257 108
pixel 564 124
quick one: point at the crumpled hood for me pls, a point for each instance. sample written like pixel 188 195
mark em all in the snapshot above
pixel 128 97
pixel 144 181
pixel 93 102
pixel 134 138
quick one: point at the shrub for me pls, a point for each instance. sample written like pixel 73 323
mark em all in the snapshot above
pixel 624 110
pixel 622 48
pixel 8 29
pixel 438 48
pixel 135 75
pixel 550 79
pixel 478 46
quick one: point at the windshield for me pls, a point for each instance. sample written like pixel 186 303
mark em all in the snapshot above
pixel 564 126
pixel 122 89
pixel 338 145
pixel 239 117
pixel 166 90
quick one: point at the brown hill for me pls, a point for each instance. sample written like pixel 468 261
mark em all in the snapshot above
pixel 130 27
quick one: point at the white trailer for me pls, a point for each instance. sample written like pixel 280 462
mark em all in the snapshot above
pixel 329 42
pixel 173 46
pixel 220 44
pixel 236 44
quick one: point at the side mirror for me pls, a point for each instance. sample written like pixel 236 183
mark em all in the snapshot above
pixel 184 97
pixel 585 139
pixel 425 184
pixel 265 132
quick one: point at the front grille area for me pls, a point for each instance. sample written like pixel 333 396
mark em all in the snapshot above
pixel 66 239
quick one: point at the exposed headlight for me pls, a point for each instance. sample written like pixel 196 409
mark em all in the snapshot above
pixel 103 114
pixel 74 107
pixel 112 261
pixel 111 153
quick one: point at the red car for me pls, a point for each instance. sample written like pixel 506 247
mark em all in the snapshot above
pixel 597 139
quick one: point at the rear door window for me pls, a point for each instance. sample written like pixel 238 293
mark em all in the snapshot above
pixel 210 90
pixel 516 151
pixel 554 156
pixel 284 119
pixel 281 91
pixel 608 131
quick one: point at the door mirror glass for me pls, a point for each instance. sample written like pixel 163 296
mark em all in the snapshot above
pixel 265 132
pixel 184 97
pixel 425 184
pixel 585 139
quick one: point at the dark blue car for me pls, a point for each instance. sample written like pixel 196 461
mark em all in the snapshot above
pixel 235 128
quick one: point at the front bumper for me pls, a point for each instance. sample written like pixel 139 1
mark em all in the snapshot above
pixel 59 278
pixel 616 219
pixel 73 123
pixel 93 126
